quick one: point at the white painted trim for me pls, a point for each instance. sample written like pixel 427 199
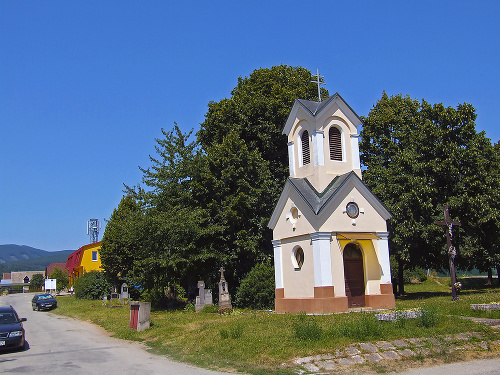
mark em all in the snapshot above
pixel 383 257
pixel 300 153
pixel 279 206
pixel 322 258
pixel 318 148
pixel 291 158
pixel 355 182
pixel 293 116
pixel 356 164
pixel 278 264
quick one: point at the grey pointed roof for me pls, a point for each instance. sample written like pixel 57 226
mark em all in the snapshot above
pixel 315 200
pixel 316 107
pixel 318 202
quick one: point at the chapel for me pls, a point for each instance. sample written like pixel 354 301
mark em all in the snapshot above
pixel 330 235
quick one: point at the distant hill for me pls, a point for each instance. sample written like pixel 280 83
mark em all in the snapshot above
pixel 26 258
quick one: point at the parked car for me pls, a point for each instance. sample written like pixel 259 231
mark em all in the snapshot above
pixel 43 302
pixel 11 328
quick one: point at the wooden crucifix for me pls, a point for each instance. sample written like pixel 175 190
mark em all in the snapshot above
pixel 452 252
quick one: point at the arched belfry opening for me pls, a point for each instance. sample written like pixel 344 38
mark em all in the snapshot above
pixel 335 143
pixel 306 150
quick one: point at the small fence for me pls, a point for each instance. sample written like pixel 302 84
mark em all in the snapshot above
pixel 18 288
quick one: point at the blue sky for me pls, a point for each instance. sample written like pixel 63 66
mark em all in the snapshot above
pixel 85 87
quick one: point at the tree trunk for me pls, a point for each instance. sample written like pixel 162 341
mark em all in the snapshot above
pixel 498 273
pixel 490 277
pixel 401 281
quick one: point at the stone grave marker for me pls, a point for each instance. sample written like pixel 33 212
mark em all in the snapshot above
pixel 204 297
pixel 224 297
pixel 124 292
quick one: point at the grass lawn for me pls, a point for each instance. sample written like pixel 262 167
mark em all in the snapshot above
pixel 259 342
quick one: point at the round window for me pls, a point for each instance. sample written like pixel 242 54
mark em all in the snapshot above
pixel 352 210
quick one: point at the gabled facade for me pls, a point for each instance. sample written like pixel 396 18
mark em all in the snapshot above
pixel 85 259
pixel 329 231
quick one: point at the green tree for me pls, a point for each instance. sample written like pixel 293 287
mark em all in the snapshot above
pixel 92 285
pixel 171 237
pixel 122 239
pixel 418 158
pixel 247 162
pixel 480 206
pixel 205 202
pixel 234 189
pixel 62 280
pixel 257 111
pixel 37 281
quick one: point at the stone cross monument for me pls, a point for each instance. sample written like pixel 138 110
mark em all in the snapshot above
pixel 224 298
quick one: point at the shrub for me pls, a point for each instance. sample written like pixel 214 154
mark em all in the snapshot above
pixel 37 281
pixel 257 289
pixel 92 285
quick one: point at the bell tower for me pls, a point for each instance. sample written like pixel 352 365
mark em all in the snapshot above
pixel 322 140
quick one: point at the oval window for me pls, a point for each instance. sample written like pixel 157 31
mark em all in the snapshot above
pixel 298 256
pixel 352 210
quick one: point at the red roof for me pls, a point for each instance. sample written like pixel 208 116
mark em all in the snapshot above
pixel 75 258
pixel 52 266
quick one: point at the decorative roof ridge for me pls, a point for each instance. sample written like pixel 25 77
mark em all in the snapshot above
pixel 314 199
pixel 316 107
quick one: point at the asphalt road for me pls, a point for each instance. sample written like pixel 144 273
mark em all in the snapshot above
pixel 59 345
pixel 479 367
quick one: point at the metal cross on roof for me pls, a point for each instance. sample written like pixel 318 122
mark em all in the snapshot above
pixel 318 82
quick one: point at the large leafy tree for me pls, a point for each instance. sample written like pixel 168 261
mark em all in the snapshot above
pixel 480 206
pixel 205 202
pixel 247 161
pixel 418 158
pixel 122 239
pixel 257 111
pixel 172 246
pixel 234 189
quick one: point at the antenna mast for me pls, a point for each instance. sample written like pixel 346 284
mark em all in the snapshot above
pixel 318 82
pixel 93 226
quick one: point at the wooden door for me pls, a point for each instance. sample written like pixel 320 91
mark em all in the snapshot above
pixel 354 276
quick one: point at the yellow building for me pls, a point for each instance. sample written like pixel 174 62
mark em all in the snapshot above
pixel 83 260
